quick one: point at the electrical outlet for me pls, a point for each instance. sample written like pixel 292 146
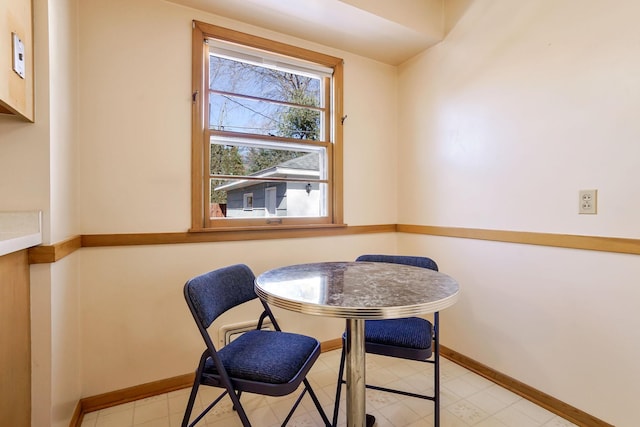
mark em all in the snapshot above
pixel 588 202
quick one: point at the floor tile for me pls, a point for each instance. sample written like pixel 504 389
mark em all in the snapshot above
pixel 467 400
pixel 540 415
pixel 467 412
pixel 511 416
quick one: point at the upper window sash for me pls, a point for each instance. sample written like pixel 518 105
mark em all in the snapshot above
pixel 267 59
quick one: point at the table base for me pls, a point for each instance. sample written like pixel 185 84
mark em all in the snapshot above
pixel 371 420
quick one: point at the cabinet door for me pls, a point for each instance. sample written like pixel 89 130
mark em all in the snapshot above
pixel 16 58
pixel 15 342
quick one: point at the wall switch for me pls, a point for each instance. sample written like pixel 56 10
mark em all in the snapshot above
pixel 18 55
pixel 588 202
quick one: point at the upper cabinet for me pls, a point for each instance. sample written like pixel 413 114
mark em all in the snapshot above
pixel 16 58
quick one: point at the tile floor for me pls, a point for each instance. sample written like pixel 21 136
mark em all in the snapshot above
pixel 467 400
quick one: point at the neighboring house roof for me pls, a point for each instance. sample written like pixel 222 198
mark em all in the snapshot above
pixel 307 162
pixel 306 166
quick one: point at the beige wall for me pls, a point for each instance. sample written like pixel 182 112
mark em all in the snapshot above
pixel 135 118
pixel 66 380
pixel 64 146
pixel 522 105
pixel 499 126
pixel 134 128
pixel 136 326
pixel 37 172
pixel 112 141
pixel 424 16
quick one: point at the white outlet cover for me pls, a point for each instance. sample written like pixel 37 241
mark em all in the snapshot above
pixel 588 202
pixel 18 55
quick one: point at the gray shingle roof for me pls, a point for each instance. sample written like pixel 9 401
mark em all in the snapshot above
pixel 306 162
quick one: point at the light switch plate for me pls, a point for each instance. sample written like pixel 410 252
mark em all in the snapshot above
pixel 18 55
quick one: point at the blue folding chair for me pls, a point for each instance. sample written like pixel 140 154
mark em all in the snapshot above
pixel 410 338
pixel 265 362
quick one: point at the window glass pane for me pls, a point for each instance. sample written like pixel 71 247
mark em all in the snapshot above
pixel 254 158
pixel 260 199
pixel 236 114
pixel 262 81
pixel 262 99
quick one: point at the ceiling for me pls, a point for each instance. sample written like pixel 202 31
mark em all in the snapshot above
pixel 387 31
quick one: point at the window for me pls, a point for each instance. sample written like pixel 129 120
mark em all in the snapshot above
pixel 267 133
pixel 270 201
pixel 247 204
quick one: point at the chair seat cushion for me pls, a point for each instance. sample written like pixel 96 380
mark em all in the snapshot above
pixel 411 332
pixel 273 357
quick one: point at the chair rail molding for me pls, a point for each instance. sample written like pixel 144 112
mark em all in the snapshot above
pixel 56 251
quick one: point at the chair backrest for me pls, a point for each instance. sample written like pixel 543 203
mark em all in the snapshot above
pixel 416 261
pixel 211 294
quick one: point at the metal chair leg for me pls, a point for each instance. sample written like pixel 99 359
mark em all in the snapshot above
pixel 436 368
pixel 336 406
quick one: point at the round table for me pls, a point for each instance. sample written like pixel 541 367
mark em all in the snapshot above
pixel 357 291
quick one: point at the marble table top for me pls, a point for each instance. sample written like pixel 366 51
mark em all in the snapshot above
pixel 365 290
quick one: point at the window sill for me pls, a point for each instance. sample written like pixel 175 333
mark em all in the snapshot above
pixel 267 228
pixel 230 235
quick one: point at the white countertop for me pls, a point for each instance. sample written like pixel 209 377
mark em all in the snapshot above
pixel 19 230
